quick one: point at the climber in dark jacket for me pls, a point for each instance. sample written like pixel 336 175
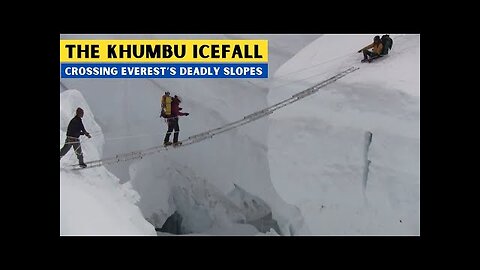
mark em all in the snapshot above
pixel 74 130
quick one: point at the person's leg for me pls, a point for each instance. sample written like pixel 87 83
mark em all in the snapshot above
pixel 365 54
pixel 66 147
pixel 177 130
pixel 368 55
pixel 169 131
pixel 78 151
pixel 371 54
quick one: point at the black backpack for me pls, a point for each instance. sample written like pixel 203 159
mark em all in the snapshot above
pixel 387 44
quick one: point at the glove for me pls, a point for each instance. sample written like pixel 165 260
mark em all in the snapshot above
pixel 186 114
pixel 359 50
pixel 88 135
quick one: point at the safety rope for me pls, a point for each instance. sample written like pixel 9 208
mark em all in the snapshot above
pixel 210 133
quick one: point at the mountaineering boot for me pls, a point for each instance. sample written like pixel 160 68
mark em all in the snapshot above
pixel 175 137
pixel 177 143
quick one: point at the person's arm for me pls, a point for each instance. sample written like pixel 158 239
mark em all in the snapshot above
pixel 83 131
pixel 366 48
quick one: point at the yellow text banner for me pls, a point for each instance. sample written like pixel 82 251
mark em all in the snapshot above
pixel 164 51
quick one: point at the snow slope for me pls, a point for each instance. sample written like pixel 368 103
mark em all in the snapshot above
pixel 316 147
pixel 93 202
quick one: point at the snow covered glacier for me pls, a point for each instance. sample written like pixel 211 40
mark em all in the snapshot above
pixel 94 202
pixel 298 172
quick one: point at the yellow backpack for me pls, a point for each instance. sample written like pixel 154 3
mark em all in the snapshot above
pixel 167 106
